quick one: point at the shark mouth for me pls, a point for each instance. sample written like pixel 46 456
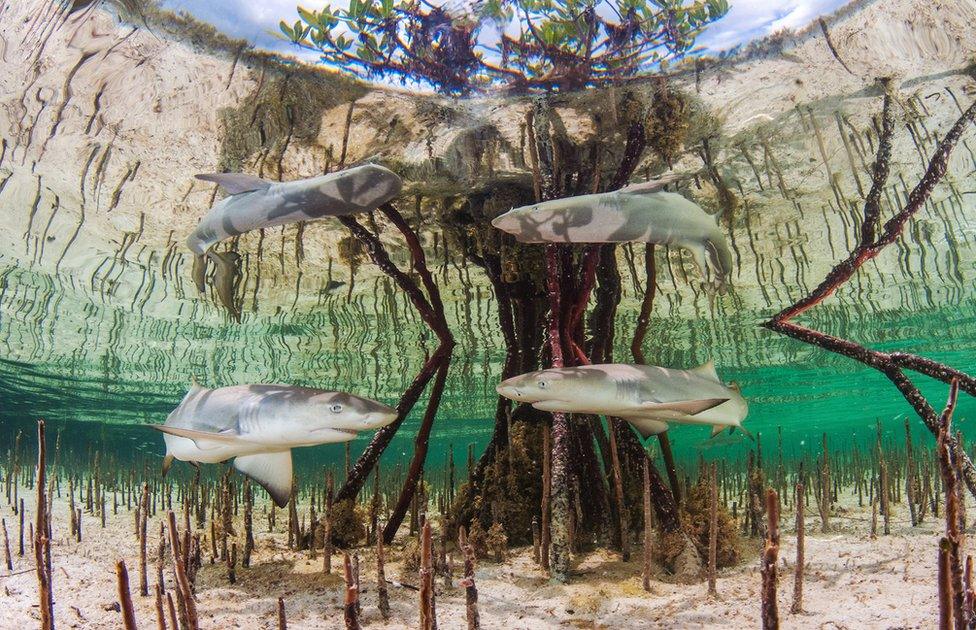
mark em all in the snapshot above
pixel 351 432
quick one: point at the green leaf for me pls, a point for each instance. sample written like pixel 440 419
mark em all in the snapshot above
pixel 309 16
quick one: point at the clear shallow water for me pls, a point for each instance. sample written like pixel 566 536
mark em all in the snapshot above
pixel 795 391
pixel 101 330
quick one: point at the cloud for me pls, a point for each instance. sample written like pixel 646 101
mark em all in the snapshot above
pixel 751 19
pixel 254 22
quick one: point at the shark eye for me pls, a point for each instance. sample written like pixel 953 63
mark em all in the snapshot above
pixel 543 385
pixel 336 408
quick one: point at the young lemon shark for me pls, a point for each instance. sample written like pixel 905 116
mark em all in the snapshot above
pixel 640 212
pixel 254 203
pixel 258 425
pixel 648 397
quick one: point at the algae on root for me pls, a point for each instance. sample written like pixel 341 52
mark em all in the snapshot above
pixel 672 550
pixel 348 524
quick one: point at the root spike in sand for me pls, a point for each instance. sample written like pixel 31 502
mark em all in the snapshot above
pixel 470 590
pixel 770 555
pixel 179 570
pixel 352 596
pixel 42 537
pixel 712 472
pixel 160 613
pixel 428 615
pixel 648 529
pixel 382 593
pixel 797 606
pixel 6 546
pixel 125 598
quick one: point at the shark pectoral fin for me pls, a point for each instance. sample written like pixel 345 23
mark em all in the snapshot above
pixel 204 441
pixel 167 464
pixel 271 470
pixel 698 255
pixel 689 407
pixel 199 272
pixel 647 427
pixel 236 183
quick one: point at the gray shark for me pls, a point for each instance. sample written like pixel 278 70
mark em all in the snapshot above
pixel 258 425
pixel 254 203
pixel 641 212
pixel 648 397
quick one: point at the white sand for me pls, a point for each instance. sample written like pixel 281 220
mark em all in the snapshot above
pixel 851 582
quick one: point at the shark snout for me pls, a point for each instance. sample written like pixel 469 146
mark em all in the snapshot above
pixel 511 391
pixel 508 222
pixel 378 419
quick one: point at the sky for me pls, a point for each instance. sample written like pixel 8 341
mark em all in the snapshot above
pixel 256 21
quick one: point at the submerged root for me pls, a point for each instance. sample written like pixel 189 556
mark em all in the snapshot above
pixel 348 525
pixel 509 487
pixel 681 553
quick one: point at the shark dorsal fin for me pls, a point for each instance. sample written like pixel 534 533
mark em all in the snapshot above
pixel 651 185
pixel 236 183
pixel 707 370
pixel 195 387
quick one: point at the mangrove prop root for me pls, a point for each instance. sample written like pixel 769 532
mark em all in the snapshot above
pixel 874 239
pixel 282 620
pixel 949 467
pixel 432 312
pixel 421 444
pixel 559 467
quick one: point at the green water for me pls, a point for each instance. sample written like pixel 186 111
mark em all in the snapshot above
pixel 795 392
pixel 101 329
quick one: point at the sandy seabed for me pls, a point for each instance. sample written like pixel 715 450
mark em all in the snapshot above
pixel 851 581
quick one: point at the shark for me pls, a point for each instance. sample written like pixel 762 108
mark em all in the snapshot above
pixel 258 425
pixel 639 212
pixel 253 203
pixel 648 397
